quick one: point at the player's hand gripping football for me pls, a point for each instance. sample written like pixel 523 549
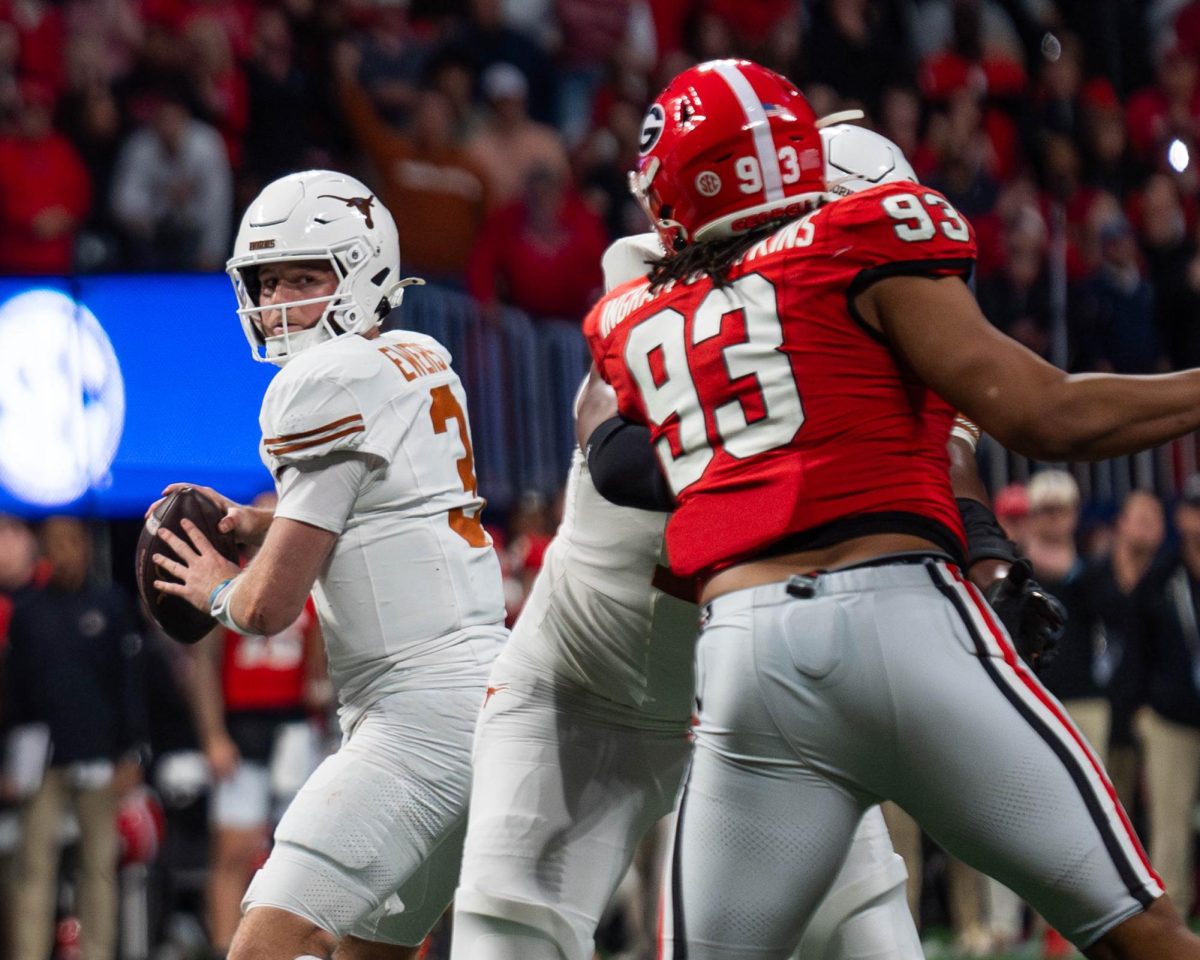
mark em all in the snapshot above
pixel 1034 618
pixel 200 568
pixel 248 525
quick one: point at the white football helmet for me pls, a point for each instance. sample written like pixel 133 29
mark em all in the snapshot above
pixel 857 158
pixel 318 215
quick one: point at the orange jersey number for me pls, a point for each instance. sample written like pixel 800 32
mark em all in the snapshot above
pixel 444 409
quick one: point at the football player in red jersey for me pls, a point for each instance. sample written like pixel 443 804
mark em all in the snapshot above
pixel 798 365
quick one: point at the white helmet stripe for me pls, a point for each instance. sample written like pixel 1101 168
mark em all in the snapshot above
pixel 764 144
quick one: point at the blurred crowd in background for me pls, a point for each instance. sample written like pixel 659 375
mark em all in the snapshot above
pixel 499 133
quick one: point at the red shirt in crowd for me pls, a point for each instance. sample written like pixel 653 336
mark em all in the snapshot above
pixel 557 276
pixel 267 673
pixel 36 176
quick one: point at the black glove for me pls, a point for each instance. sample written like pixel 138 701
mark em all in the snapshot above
pixel 1034 618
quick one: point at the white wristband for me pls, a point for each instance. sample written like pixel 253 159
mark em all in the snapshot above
pixel 219 606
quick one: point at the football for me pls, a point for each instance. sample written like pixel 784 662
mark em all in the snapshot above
pixel 178 618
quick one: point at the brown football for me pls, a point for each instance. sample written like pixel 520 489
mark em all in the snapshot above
pixel 178 618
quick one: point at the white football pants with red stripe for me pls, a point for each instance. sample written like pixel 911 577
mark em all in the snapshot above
pixel 882 682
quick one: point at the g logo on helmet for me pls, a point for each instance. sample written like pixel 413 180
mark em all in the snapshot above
pixel 708 184
pixel 652 128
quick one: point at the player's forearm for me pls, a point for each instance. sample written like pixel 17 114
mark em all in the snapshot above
pixel 1097 416
pixel 271 592
pixel 261 610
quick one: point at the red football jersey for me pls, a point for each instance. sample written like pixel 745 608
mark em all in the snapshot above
pixel 782 421
pixel 267 673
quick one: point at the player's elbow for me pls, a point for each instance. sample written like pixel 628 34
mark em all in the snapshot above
pixel 1058 433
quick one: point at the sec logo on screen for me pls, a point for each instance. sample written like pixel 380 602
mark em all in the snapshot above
pixel 62 399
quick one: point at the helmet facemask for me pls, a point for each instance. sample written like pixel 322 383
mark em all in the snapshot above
pixel 331 219
pixel 338 318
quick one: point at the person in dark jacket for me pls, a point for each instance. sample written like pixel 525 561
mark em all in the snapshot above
pixel 1168 644
pixel 1052 549
pixel 1109 589
pixel 73 671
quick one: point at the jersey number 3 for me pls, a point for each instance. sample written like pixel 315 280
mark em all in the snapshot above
pixel 444 410
pixel 656 354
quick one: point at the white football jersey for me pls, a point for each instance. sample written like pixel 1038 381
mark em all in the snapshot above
pixel 413 579
pixel 598 615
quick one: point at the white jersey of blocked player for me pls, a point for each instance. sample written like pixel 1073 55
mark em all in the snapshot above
pixel 593 618
pixel 412 579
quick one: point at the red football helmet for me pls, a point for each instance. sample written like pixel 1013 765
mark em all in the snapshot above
pixel 727 146
pixel 141 827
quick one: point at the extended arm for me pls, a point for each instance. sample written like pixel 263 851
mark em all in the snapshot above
pixel 1027 404
pixel 208 705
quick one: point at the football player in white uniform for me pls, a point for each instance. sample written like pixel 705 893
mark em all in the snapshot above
pixel 584 736
pixel 367 437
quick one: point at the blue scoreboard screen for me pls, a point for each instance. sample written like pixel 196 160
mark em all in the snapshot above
pixel 112 387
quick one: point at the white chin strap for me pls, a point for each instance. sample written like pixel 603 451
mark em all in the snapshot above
pixel 282 348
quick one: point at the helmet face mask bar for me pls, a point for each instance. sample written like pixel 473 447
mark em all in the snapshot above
pixel 323 216
pixel 337 319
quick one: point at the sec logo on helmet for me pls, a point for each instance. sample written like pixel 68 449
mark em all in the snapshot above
pixel 708 183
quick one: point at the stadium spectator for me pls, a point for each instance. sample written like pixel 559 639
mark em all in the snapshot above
pixel 1017 298
pixel 1052 549
pixel 18 565
pixel 45 190
pixel 604 163
pixel 1058 101
pixel 394 59
pixel 280 127
pixel 436 190
pixel 1107 590
pixel 495 31
pixel 510 144
pixel 1168 110
pixel 172 191
pixel 1168 641
pixel 1168 248
pixel 965 156
pixel 541 253
pixel 1011 506
pixel 91 119
pixel 113 29
pixel 452 74
pixel 591 31
pixel 1114 309
pixel 73 667
pixel 41 31
pixel 1108 162
pixel 872 36
pixel 217 83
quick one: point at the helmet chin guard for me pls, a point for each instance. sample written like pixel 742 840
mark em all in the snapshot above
pixel 326 216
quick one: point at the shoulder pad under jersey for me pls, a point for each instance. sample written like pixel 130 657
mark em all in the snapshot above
pixel 627 258
pixel 902 228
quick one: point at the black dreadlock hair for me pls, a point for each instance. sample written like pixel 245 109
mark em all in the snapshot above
pixel 715 257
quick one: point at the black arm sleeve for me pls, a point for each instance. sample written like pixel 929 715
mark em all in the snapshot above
pixel 624 468
pixel 985 538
